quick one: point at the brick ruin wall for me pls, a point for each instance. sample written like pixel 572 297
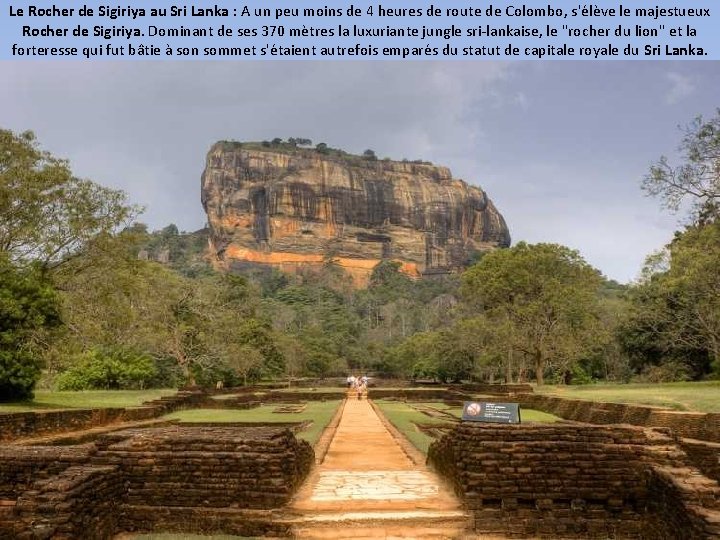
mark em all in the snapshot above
pixel 250 398
pixel 500 388
pixel 700 426
pixel 704 455
pixel 691 425
pixel 168 479
pixel 577 482
pixel 19 425
pixel 194 479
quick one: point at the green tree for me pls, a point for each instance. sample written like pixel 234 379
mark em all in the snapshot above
pixel 244 359
pixel 28 304
pixel 258 334
pixel 294 353
pixel 415 357
pixel 112 299
pixel 674 318
pixel 547 296
pixel 698 178
pixel 46 214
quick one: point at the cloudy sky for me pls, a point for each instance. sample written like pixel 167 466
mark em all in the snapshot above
pixel 560 147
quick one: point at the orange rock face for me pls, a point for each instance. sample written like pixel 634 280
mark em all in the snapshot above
pixel 297 208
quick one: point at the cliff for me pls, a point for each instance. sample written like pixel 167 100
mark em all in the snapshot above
pixel 295 208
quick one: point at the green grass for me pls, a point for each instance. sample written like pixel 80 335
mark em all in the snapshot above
pixel 87 399
pixel 320 412
pixel 405 419
pixel 683 396
pixel 531 415
pixel 526 415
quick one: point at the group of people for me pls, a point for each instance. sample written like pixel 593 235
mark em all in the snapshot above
pixel 357 385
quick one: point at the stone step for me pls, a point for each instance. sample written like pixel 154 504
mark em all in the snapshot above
pixel 381 515
pixel 421 524
pixel 381 532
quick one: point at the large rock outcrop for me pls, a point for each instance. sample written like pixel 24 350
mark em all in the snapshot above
pixel 294 208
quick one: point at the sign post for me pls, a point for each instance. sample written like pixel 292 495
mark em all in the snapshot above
pixel 499 413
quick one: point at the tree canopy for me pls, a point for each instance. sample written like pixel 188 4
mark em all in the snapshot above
pixel 102 302
pixel 544 294
pixel 697 178
pixel 47 214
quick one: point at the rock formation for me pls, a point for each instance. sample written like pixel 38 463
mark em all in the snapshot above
pixel 294 208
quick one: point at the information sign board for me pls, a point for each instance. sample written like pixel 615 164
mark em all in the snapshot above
pixel 481 411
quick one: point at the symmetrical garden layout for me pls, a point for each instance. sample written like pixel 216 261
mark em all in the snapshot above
pixel 226 465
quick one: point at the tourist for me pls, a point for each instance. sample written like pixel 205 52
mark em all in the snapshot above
pixel 350 381
pixel 361 388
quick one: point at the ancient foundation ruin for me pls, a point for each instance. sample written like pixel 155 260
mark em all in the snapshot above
pixel 607 471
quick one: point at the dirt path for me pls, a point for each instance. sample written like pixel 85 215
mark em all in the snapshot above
pixel 367 487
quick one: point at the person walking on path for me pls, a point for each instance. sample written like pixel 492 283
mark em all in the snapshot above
pixel 361 388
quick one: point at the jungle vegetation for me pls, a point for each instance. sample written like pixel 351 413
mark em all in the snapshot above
pixel 90 298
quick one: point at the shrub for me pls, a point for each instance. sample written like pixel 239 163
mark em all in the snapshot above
pixel 670 371
pixel 208 372
pixel 19 371
pixel 112 368
pixel 28 305
pixel 168 374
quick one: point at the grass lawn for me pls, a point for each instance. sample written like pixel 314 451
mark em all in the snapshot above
pixel 320 412
pixel 526 415
pixel 405 419
pixel 683 396
pixel 87 399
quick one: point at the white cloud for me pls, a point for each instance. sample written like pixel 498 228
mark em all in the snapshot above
pixel 681 87
pixel 522 101
pixel 559 147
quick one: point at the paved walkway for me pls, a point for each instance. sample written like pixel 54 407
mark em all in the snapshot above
pixel 368 481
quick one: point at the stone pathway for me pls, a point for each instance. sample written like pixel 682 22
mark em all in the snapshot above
pixel 367 487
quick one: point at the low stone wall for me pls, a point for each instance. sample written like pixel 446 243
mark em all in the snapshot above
pixel 211 466
pixel 570 481
pixel 81 502
pixel 251 399
pixel 20 425
pixel 496 389
pixel 245 523
pixel 703 455
pixel 22 466
pixel 197 478
pixel 319 395
pixel 684 505
pixel 703 426
pixel 27 424
pixel 417 394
